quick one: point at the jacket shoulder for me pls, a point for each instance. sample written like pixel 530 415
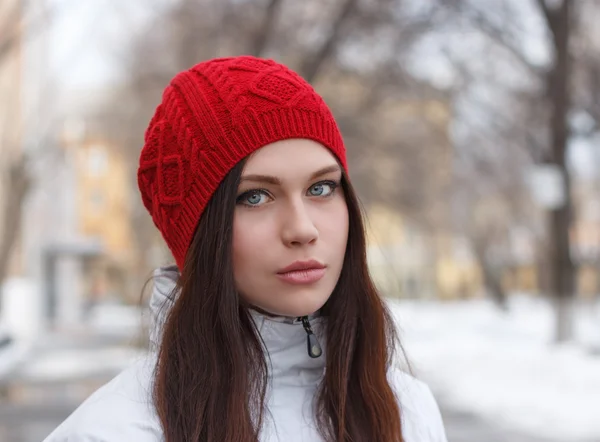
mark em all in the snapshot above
pixel 421 417
pixel 120 410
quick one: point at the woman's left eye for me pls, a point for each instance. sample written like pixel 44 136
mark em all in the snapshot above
pixel 322 189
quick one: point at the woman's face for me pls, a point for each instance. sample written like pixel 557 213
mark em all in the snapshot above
pixel 290 228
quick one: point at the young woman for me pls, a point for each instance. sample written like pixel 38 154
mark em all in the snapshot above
pixel 269 328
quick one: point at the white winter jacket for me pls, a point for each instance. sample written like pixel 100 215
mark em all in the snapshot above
pixel 122 409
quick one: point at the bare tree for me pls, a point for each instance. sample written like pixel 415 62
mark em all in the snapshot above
pixel 560 22
pixel 15 175
pixel 585 53
pixel 554 81
pixel 496 125
pixel 19 24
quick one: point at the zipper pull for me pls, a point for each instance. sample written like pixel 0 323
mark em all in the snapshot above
pixel 312 343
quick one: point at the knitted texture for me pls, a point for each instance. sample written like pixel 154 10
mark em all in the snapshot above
pixel 212 116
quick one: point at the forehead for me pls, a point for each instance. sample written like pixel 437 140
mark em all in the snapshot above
pixel 289 158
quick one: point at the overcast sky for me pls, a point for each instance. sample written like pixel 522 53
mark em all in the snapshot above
pixel 86 38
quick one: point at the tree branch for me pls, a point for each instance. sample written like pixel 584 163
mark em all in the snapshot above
pixel 499 36
pixel 550 15
pixel 262 38
pixel 310 68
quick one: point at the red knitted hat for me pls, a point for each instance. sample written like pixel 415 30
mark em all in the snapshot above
pixel 212 116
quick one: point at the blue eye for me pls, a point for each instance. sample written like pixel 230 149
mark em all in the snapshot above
pixel 322 189
pixel 252 198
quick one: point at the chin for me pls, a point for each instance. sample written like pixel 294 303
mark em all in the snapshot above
pixel 301 309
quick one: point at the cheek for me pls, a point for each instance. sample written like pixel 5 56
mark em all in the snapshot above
pixel 249 237
pixel 334 228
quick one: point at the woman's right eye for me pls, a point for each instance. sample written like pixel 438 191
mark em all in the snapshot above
pixel 253 198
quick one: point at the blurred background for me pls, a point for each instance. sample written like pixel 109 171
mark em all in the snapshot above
pixel 473 137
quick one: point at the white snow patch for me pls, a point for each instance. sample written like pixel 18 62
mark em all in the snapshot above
pixel 505 367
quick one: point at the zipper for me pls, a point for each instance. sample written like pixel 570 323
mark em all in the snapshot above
pixel 312 343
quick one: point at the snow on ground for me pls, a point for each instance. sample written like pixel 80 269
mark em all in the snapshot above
pixel 116 320
pixel 504 366
pixel 70 365
pixel 72 354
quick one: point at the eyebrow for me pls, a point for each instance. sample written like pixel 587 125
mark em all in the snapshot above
pixel 277 182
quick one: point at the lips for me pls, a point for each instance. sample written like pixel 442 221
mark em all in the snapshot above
pixel 302 265
pixel 302 272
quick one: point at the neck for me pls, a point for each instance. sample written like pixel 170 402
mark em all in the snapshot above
pixel 283 318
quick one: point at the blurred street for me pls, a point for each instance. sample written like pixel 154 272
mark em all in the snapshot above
pixel 61 369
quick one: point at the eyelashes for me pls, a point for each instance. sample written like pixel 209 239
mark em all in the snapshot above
pixel 257 197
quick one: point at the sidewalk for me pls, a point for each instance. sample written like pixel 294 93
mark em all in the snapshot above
pixel 466 427
pixel 57 374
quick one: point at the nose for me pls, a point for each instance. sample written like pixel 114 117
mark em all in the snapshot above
pixel 298 227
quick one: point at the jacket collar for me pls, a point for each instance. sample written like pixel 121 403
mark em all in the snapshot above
pixel 284 338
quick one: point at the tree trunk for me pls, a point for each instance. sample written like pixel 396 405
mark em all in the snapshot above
pixel 493 283
pixel 562 273
pixel 19 183
pixel 562 267
pixel 492 278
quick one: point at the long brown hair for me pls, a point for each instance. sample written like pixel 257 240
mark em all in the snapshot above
pixel 211 375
